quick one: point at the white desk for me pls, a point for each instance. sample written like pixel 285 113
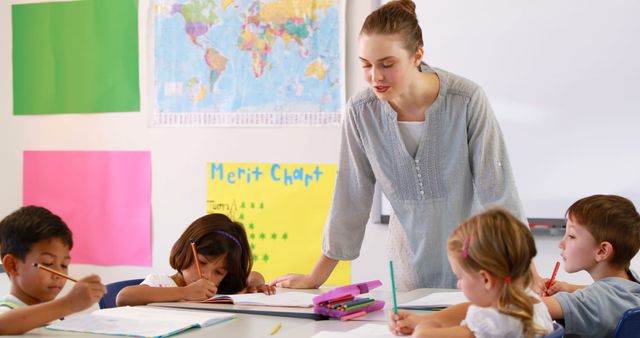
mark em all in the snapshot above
pixel 253 325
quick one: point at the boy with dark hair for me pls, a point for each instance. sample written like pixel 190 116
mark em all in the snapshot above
pixel 602 236
pixel 32 236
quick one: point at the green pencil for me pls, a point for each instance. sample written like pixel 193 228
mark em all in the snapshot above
pixel 393 289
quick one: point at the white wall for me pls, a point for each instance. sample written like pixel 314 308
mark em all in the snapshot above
pixel 563 78
pixel 179 193
pixel 178 154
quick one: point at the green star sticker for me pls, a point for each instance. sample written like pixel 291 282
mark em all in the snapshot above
pixel 253 246
pixel 242 205
pixel 261 205
pixel 285 236
pixel 265 258
pixel 274 236
pixel 252 236
pixel 255 257
pixel 241 216
pixel 262 235
pixel 250 225
pixel 253 205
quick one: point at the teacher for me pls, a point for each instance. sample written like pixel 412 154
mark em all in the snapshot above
pixel 432 142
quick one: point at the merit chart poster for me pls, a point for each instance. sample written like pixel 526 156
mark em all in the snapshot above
pixel 283 208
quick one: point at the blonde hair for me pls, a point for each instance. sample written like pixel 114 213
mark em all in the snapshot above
pixel 497 242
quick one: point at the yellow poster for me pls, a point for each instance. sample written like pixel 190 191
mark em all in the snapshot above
pixel 283 208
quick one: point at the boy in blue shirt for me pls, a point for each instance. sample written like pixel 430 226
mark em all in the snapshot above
pixel 28 237
pixel 602 236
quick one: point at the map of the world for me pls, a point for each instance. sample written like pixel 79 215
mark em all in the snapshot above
pixel 231 62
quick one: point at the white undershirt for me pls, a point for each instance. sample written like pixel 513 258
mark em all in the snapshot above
pixel 411 132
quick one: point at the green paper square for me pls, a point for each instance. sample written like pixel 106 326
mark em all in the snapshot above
pixel 75 57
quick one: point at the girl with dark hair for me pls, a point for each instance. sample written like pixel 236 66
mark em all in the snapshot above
pixel 224 266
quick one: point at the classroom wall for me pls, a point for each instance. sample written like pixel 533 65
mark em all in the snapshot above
pixel 562 78
pixel 179 156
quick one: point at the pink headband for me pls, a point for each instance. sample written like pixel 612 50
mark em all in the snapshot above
pixel 465 247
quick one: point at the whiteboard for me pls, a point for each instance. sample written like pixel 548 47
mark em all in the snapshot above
pixel 563 78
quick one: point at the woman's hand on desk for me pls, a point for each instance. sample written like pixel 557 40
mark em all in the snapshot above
pixel 403 323
pixel 200 290
pixel 322 270
pixel 264 288
pixel 295 281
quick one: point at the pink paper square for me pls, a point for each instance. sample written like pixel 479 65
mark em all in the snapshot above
pixel 104 197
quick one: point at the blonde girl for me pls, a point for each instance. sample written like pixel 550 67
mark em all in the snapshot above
pixel 491 255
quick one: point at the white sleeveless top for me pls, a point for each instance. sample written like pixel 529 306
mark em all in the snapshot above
pixel 411 132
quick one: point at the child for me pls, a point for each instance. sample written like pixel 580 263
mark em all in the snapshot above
pixel 32 235
pixel 490 254
pixel 602 236
pixel 225 262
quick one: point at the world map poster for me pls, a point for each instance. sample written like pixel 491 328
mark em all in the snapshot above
pixel 248 62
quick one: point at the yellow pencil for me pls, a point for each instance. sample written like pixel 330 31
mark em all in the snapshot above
pixel 54 272
pixel 276 328
pixel 195 256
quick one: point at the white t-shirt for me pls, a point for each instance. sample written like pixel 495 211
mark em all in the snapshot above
pixel 10 302
pixel 159 280
pixel 488 322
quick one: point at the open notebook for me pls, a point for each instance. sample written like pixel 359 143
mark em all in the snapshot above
pixel 283 299
pixel 139 321
pixel 435 301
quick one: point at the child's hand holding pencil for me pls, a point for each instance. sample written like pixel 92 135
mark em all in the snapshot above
pixel 85 293
pixel 403 323
pixel 202 289
pixel 550 282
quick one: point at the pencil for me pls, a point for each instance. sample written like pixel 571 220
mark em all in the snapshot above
pixel 553 277
pixel 195 257
pixel 57 273
pixel 353 315
pixel 393 289
pixel 276 328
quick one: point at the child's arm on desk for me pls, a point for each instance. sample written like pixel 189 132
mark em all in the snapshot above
pixel 201 289
pixel 256 283
pixel 84 294
pixel 555 310
pixel 443 332
pixel 407 322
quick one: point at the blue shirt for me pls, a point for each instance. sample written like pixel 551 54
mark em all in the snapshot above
pixel 595 310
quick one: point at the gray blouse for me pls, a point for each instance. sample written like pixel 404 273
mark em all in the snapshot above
pixel 461 167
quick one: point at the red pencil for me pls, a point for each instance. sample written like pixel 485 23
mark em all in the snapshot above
pixel 353 315
pixel 195 256
pixel 54 272
pixel 553 277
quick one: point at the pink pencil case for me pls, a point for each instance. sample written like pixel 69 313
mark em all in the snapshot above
pixel 343 300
